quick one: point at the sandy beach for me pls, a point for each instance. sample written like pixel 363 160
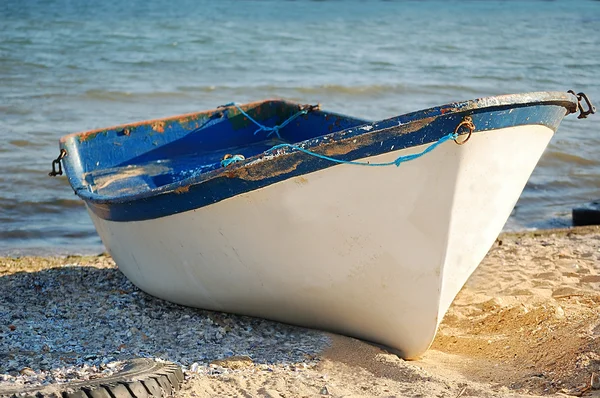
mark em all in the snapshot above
pixel 123 122
pixel 526 324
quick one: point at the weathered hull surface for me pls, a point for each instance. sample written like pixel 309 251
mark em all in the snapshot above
pixel 295 230
pixel 376 253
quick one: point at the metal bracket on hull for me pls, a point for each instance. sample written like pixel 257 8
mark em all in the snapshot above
pixel 467 123
pixel 54 173
pixel 583 113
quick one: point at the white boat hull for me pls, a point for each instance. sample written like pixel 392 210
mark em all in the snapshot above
pixel 378 253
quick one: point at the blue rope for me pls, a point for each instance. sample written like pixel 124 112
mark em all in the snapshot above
pixel 269 130
pixel 397 162
pixel 232 159
pixel 275 130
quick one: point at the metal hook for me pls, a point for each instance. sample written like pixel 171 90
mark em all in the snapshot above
pixel 582 112
pixel 54 173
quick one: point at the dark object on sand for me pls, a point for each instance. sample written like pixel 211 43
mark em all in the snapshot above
pixel 588 214
pixel 140 378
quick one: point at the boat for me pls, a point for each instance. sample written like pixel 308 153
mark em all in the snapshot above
pixel 289 212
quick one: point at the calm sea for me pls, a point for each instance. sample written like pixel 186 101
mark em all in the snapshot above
pixel 68 66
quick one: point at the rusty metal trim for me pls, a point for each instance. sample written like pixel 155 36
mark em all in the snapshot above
pixel 583 114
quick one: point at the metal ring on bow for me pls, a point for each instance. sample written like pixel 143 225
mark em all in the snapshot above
pixel 467 122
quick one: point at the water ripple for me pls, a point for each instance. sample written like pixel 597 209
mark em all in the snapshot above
pixel 67 66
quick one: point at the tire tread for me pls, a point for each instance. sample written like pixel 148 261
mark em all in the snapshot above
pixel 140 378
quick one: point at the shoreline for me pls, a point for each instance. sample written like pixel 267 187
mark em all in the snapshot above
pixel 526 323
pixel 94 250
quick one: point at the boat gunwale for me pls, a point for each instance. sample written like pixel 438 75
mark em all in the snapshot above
pixel 82 135
pixel 325 142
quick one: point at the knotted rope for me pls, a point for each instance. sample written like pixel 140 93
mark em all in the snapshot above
pixel 268 130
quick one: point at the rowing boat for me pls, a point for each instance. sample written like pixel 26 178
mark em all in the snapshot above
pixel 288 212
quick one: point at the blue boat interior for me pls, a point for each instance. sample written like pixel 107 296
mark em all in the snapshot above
pixel 134 158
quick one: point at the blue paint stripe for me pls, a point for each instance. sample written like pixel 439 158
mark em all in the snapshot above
pixel 222 184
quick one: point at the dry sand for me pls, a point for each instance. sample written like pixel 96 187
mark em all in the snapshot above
pixel 526 323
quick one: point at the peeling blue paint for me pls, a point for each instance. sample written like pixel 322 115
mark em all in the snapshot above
pixel 162 167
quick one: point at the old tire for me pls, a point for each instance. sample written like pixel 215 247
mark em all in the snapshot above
pixel 140 378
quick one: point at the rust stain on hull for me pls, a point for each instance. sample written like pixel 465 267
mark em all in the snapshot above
pixel 346 146
pixel 185 120
pixel 301 181
pixel 272 168
pixel 90 135
pixel 262 171
pixel 182 189
pixel 341 147
pixel 416 125
pixel 159 127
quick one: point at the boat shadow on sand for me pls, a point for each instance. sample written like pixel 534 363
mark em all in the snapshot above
pixel 80 314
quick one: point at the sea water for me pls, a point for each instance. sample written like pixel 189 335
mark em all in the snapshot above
pixel 68 66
